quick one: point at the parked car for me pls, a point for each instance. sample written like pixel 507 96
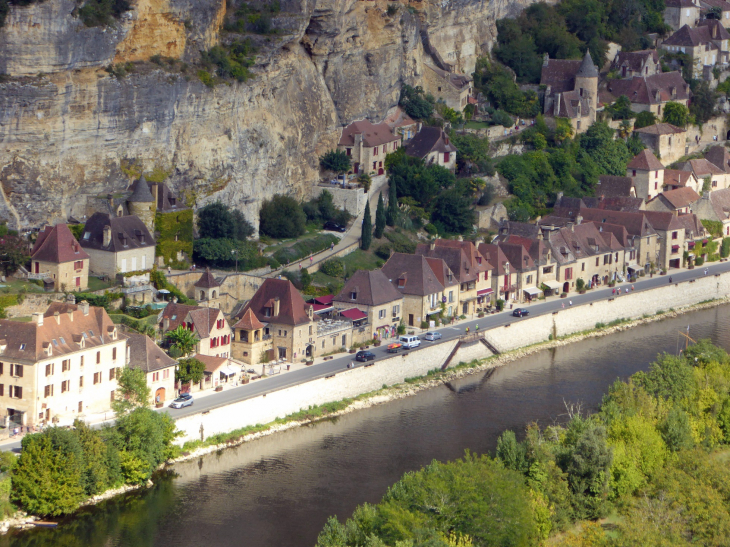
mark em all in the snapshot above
pixel 432 336
pixel 520 312
pixel 364 356
pixel 410 341
pixel 333 226
pixel 184 400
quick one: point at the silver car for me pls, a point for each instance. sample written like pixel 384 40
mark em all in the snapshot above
pixel 432 336
pixel 184 400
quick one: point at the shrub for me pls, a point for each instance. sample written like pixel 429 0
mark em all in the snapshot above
pixel 206 78
pixel 725 249
pixel 383 252
pixel 98 13
pixel 281 217
pixel 304 248
pixel 431 229
pixel 580 284
pixel 500 304
pixel 424 324
pixel 231 62
pixel 333 267
pixel 699 261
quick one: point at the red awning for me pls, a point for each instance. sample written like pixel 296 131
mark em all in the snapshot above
pixel 353 314
pixel 484 291
pixel 321 307
pixel 326 299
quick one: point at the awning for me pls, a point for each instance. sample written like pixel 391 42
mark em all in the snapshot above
pixel 321 308
pixel 163 291
pixel 229 371
pixel 557 285
pixel 532 291
pixel 326 299
pixel 482 292
pixel 353 314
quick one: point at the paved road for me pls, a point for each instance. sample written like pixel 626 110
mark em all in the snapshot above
pixel 326 368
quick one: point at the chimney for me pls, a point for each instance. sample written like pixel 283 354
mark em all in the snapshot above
pixel 538 219
pixel 460 238
pixel 579 219
pixel 107 235
pixel 432 245
pixel 166 323
pixel 71 299
pixel 84 307
pixel 38 319
pixel 545 59
pixel 276 306
pixel 57 316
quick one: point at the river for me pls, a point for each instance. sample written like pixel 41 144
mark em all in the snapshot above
pixel 278 491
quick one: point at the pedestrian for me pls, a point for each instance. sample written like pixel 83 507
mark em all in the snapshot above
pixel 467 330
pixel 476 327
pixel 300 266
pixel 169 271
pixel 632 287
pixel 332 246
pixel 570 302
pixel 706 271
pixel 627 290
pixel 563 304
pixel 614 291
pixel 670 278
pixel 311 259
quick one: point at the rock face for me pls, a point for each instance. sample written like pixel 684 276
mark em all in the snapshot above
pixel 74 130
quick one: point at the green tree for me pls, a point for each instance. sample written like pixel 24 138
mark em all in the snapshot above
pixel 676 114
pixel 644 118
pixel 414 103
pixel 510 452
pixel 281 217
pixel 621 109
pixel 380 217
pixel 668 377
pixel 132 390
pixel 677 431
pixel 392 212
pixel 367 228
pixel 453 212
pixel 185 340
pixel 189 370
pixel 305 278
pixel 704 99
pixel 335 160
pixel 218 221
pixel 102 469
pixel 14 253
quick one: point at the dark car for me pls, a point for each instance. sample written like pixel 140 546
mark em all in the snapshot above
pixel 333 226
pixel 364 356
pixel 184 400
pixel 520 312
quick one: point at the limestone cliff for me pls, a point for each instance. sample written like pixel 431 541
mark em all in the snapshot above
pixel 68 127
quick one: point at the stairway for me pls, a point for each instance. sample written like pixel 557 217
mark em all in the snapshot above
pixel 490 347
pixel 451 355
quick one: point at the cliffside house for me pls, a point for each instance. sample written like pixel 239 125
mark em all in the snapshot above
pixel 649 93
pixel 57 256
pixel 636 63
pixel 60 366
pixel 367 144
pixel 451 88
pixel 164 199
pixel 470 268
pixel 706 45
pixel 208 324
pixel 402 124
pixel 571 90
pixel 422 292
pixel 704 170
pixel 207 287
pixel 678 13
pixel 117 244
pixel 158 367
pixel 142 204
pixel 433 146
pixel 647 174
pixel 372 294
pixel 677 201
pixel 664 139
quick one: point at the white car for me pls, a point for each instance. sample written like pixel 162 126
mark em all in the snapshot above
pixel 432 336
pixel 184 400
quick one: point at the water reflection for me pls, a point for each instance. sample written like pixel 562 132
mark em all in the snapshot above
pixel 278 491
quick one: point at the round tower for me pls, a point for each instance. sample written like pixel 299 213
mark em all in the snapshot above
pixel 142 204
pixel 586 81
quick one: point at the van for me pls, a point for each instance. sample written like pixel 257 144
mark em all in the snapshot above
pixel 410 341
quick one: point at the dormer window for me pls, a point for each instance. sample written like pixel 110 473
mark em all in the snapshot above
pixel 401 282
pixel 267 312
pixel 353 295
pixel 91 333
pixel 87 235
pixel 62 340
pixel 55 342
pixel 22 347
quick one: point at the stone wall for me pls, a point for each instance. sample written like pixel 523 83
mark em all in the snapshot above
pixel 33 303
pixel 240 286
pixel 351 200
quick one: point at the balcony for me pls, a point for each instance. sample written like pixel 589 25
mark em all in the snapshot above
pixel 331 326
pixel 509 288
pixel 39 275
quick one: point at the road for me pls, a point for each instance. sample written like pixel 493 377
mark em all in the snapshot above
pixel 542 307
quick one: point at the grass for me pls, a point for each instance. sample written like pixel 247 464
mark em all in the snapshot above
pixel 96 284
pixel 16 286
pixel 361 260
pixel 476 125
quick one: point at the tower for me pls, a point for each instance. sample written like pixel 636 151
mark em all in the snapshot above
pixel 586 83
pixel 142 204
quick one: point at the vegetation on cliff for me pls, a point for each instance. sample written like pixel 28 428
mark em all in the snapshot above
pixel 653 458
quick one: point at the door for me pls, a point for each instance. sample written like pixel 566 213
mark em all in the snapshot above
pixel 356 167
pixel 566 286
pixel 410 320
pixel 465 308
pixel 160 395
pixel 124 265
pixel 78 281
pixel 37 267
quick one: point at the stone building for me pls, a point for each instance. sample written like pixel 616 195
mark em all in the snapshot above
pixel 209 325
pixel 678 13
pixel 667 141
pixel 117 244
pixel 677 201
pixel 571 90
pixel 705 170
pixel 207 287
pixel 433 146
pixel 636 63
pixel 158 367
pixel 647 174
pixel 451 88
pixel 706 45
pixel 142 204
pixel 367 144
pixel 58 256
pixel 649 93
pixel 251 340
pixel 60 366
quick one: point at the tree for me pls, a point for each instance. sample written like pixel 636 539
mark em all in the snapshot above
pixel 335 160
pixel 392 212
pixel 676 114
pixel 132 390
pixel 282 217
pixel 453 212
pixel 644 118
pixel 668 377
pixel 380 217
pixel 621 109
pixel 510 452
pixel 587 463
pixel 704 99
pixel 305 278
pixel 413 102
pixel 218 221
pixel 367 228
pixel 14 253
pixel 182 338
pixel 189 370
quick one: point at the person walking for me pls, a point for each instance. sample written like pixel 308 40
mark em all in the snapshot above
pixel 311 259
pixel 563 304
pixel 467 330
pixel 632 287
pixel 670 278
pixel 476 327
pixel 570 302
pixel 332 246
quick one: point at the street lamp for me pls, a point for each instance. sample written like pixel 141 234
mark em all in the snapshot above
pixel 235 252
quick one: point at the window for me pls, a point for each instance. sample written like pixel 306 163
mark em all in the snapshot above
pixel 633 173
pixel 155 376
pixel 675 249
pixel 81 406
pixel 547 269
pixel 674 235
pixel 81 382
pixel 279 332
pixel 714 184
pixel 48 391
pixel 348 151
pixel 568 274
pixel 310 330
pixel 79 265
pixel 16 370
pixel 15 392
pixel 98 357
pixel 375 165
pixel 396 310
pixel 2 390
pixel 528 279
pixel 97 378
pixel 582 266
pixel 166 374
pixel 578 125
pixel 82 360
pixel 381 314
pixel 112 374
pixel 1 368
pixel 65 386
pixel 597 261
pixel 49 369
pixel 114 354
pixel 353 295
pixel 375 151
pixel 656 186
pixel 451 296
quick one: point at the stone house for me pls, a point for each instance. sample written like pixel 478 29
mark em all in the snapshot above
pixel 250 341
pixel 636 63
pixel 720 158
pixel 402 124
pixel 164 199
pixel 677 201
pixel 678 13
pixel 571 90
pixel 674 178
pixel 525 270
pixel 722 5
pixel 704 170
pixel 208 324
pixel 142 204
pixel 371 293
pixel 207 287
pixel 505 278
pixel 58 256
pixel 706 45
pixel 117 244
pixel 647 174
pixel 218 370
pixel 433 146
pixel 649 93
pixel 449 280
pixel 414 278
pixel 367 144
pixel 715 206
pixel 671 238
pixel 451 88
pixel 470 268
pixel 667 141
pixel 159 368
pixel 60 366
pixel 694 232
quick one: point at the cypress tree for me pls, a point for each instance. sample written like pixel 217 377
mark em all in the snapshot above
pixel 392 212
pixel 380 218
pixel 367 229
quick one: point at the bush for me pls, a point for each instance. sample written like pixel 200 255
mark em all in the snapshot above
pixel 174 234
pixel 98 13
pixel 424 324
pixel 230 62
pixel 580 284
pixel 431 229
pixel 699 261
pixel 282 217
pixel 223 253
pixel 383 252
pixel 487 195
pixel 333 267
pixel 500 304
pixel 725 248
pixel 218 221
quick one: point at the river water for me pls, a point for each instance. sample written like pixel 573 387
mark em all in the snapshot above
pixel 279 491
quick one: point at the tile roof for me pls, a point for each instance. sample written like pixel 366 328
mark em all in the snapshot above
pixel 559 74
pixel 457 81
pixel 292 308
pixel 719 157
pixel 249 321
pixel 212 364
pixel 645 161
pixel 442 272
pixel 28 342
pixel 701 168
pixel 372 134
pixel 619 233
pixel 413 273
pixel 461 257
pixel 141 193
pixel 176 313
pixel 663 220
pixel 635 60
pixel 207 281
pixel 621 203
pixel 204 319
pixel 57 244
pixel 129 229
pixel 724 6
pixel 692 225
pixel 681 197
pixel 518 257
pixel 398 118
pixel 715 206
pixel 146 355
pixel 611 186
pixel 660 129
pixel 675 177
pixel 587 69
pixel 495 256
pixel 371 288
pixel 636 224
pixel 653 89
pixel 427 140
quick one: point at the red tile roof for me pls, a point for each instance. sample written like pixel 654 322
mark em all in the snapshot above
pixel 645 161
pixel 249 322
pixel 660 129
pixel 370 288
pixel 292 308
pixel 57 244
pixel 653 89
pixel 372 135
pixel 212 364
pixel 681 197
